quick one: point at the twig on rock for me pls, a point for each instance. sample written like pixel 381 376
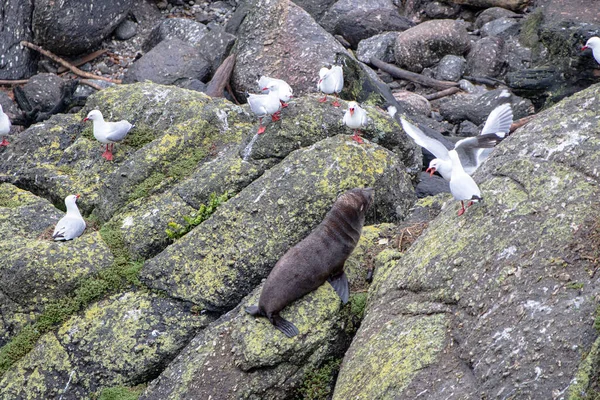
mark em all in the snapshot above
pixel 65 64
pixel 90 84
pixel 8 82
pixel 82 60
pixel 221 77
pixel 411 76
pixel 520 122
pixel 443 93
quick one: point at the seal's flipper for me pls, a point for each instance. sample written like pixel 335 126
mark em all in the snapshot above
pixel 252 310
pixel 340 285
pixel 285 326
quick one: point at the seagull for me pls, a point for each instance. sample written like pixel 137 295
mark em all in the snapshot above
pixel 356 118
pixel 594 44
pixel 4 127
pixel 331 80
pixel 285 91
pixel 265 104
pixel 471 151
pixel 462 186
pixel 72 224
pixel 108 132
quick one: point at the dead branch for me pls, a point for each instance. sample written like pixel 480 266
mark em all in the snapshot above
pixel 9 82
pixel 520 122
pixel 443 93
pixel 82 60
pixel 65 64
pixel 221 77
pixel 90 84
pixel 411 76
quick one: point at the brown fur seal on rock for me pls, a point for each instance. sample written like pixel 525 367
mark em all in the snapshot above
pixel 317 258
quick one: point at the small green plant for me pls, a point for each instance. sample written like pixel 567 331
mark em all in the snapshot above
pixel 121 393
pixel 318 384
pixel 575 285
pixel 176 230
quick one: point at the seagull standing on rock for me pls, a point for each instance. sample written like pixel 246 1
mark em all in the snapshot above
pixel 462 186
pixel 72 224
pixel 265 104
pixel 284 90
pixel 108 132
pixel 331 81
pixel 356 118
pixel 594 44
pixel 4 127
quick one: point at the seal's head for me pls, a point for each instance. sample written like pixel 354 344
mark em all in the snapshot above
pixel 359 198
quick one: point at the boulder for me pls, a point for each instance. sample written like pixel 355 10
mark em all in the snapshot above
pixel 450 68
pixel 316 8
pixel 123 340
pixel 43 90
pixel 425 44
pixel 169 62
pixel 515 5
pixel 491 14
pixel 269 216
pixel 70 27
pixel 502 27
pixel 486 58
pixel 472 294
pixel 356 20
pixel 186 30
pixel 431 185
pixel 126 30
pixel 215 47
pixel 379 46
pixel 413 103
pixel 17 61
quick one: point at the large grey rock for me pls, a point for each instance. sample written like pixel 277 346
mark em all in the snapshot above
pixel 491 14
pixel 356 20
pixel 501 27
pixel 450 68
pixel 425 44
pixel 17 62
pixel 43 90
pixel 316 8
pixel 379 46
pixel 167 63
pixel 215 47
pixel 70 27
pixel 487 57
pixel 506 286
pixel 187 30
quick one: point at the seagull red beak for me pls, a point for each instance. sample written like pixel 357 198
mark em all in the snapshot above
pixel 77 196
pixel 86 119
pixel 265 88
pixel 351 111
pixel 431 171
pixel 584 48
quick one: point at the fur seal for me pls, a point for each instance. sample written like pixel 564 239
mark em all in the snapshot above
pixel 319 257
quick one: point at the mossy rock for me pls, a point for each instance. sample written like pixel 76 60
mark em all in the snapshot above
pixel 123 340
pixel 221 260
pixel 510 271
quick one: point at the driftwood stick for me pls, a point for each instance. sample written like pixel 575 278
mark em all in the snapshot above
pixel 443 93
pixel 90 84
pixel 411 76
pixel 520 122
pixel 13 82
pixel 230 91
pixel 65 64
pixel 82 60
pixel 221 77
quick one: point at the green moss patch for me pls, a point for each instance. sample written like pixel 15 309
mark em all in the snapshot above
pixel 175 230
pixel 318 384
pixel 121 393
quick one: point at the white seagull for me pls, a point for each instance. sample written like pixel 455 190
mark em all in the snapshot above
pixel 462 186
pixel 72 224
pixel 594 44
pixel 471 151
pixel 285 91
pixel 108 132
pixel 356 118
pixel 4 127
pixel 265 104
pixel 331 81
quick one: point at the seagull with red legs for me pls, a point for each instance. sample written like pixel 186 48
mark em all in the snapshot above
pixel 264 105
pixel 284 90
pixel 594 44
pixel 356 118
pixel 331 81
pixel 4 127
pixel 462 186
pixel 108 133
pixel 72 224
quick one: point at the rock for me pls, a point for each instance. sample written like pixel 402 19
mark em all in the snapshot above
pixel 450 68
pixel 501 27
pixel 67 29
pixel 518 57
pixel 431 185
pixel 454 108
pixel 514 5
pixel 437 10
pixel 192 84
pixel 18 62
pixel 9 106
pixel 356 20
pixel 481 107
pixel 413 103
pixel 471 278
pixel 425 44
pixel 468 129
pixel 187 30
pixel 126 30
pixel 264 49
pixel 379 46
pixel 167 63
pixel 486 58
pixel 124 339
pixel 215 47
pixel 43 90
pixel 283 191
pixel 491 14
pixel 315 8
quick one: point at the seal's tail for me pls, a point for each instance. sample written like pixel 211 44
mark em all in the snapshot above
pixel 285 326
